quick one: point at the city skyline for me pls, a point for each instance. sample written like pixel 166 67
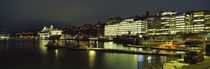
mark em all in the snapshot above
pixel 105 34
pixel 28 14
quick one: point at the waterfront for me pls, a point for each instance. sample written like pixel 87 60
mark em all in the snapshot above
pixel 32 54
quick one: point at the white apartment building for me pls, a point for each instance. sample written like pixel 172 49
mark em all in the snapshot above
pixel 125 27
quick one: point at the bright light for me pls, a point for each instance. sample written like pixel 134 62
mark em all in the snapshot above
pixel 56 52
pixel 124 26
pixel 92 54
pixel 42 46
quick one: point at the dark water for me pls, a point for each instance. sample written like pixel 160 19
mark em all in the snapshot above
pixel 31 54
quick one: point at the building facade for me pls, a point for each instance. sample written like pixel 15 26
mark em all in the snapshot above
pixel 164 23
pixel 125 27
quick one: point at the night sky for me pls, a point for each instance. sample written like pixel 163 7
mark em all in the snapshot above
pixel 17 15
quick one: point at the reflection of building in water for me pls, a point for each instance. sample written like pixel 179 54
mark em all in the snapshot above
pixel 145 61
pixel 140 62
pixel 42 44
pixel 53 53
pixel 150 62
pixel 56 53
pixel 47 32
pixel 112 45
pixel 92 55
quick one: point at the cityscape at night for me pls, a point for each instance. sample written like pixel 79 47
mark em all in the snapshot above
pixel 106 34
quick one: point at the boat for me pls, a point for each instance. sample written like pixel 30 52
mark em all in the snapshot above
pixel 170 45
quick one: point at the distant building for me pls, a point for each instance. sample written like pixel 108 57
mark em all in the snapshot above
pixel 164 23
pixel 125 27
pixel 168 20
pixel 4 36
pixel 207 21
pixel 46 32
pixel 180 24
pixel 151 29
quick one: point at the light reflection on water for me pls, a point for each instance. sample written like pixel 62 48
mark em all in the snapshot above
pixel 96 44
pixel 92 55
pixel 42 46
pixel 32 54
pixel 107 45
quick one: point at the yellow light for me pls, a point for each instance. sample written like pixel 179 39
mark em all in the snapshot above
pixel 135 59
pixel 42 46
pixel 56 52
pixel 92 54
pixel 149 59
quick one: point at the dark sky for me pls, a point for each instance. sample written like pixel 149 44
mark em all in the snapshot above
pixel 17 15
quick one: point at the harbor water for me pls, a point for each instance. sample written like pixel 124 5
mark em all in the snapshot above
pixel 32 54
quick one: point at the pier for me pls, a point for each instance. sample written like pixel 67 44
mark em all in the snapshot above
pixel 119 51
pixel 153 47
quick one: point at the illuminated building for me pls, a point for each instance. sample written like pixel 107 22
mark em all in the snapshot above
pixel 207 22
pixel 126 27
pixel 150 26
pixel 198 22
pixel 56 32
pixel 168 22
pixel 180 23
pixel 47 32
pixel 165 23
pixel 167 13
pixel 111 30
pixel 4 36
pixel 27 34
pixel 191 22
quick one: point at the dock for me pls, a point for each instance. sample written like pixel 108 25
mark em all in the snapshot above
pixel 119 51
pixel 152 47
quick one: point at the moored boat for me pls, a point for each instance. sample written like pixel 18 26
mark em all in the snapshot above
pixel 170 45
